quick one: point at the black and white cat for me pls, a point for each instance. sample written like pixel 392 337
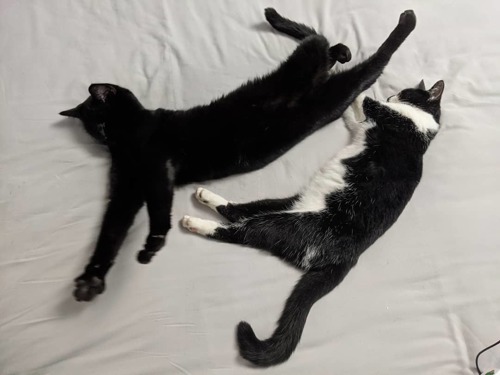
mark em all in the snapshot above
pixel 154 150
pixel 346 207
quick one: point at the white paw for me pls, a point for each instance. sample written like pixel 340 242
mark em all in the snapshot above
pixel 200 226
pixel 210 199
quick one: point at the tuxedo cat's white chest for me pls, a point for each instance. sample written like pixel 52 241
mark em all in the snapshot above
pixel 331 177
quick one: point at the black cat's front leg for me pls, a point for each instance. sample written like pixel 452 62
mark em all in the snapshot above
pixel 125 201
pixel 159 195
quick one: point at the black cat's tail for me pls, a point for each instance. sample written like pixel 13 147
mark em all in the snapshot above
pixel 294 29
pixel 279 347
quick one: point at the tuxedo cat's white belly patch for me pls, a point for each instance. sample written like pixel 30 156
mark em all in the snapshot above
pixel 330 178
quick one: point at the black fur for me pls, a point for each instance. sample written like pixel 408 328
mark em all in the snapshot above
pixel 327 242
pixel 153 151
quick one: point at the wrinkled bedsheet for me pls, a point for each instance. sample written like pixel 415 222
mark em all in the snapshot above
pixel 423 300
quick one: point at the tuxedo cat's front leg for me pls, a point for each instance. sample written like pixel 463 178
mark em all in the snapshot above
pixel 354 114
pixel 159 195
pixel 236 211
pixel 126 199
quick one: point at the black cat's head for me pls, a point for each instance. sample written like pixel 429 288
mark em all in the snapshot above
pixel 426 100
pixel 105 103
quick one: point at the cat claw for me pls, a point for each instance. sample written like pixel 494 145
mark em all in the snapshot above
pixel 87 287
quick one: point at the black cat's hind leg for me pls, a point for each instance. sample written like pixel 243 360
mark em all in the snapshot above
pixel 237 211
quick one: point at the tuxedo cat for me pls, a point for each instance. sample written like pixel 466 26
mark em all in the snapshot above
pixel 154 150
pixel 347 206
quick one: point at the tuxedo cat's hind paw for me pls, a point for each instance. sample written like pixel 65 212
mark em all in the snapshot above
pixel 87 287
pixel 210 199
pixel 199 226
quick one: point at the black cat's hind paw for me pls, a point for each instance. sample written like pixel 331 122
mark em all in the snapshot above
pixel 145 256
pixel 340 52
pixel 408 19
pixel 87 287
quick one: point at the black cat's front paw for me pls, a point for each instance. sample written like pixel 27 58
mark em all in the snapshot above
pixel 153 244
pixel 408 19
pixel 87 287
pixel 145 256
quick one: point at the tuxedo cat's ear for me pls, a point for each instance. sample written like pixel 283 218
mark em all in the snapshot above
pixel 421 85
pixel 436 91
pixel 73 112
pixel 102 92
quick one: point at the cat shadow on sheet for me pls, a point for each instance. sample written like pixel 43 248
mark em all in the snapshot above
pixel 81 138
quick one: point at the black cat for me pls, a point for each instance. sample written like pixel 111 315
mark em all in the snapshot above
pixel 347 206
pixel 154 150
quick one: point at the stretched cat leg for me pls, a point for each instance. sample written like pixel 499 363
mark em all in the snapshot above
pixel 336 94
pixel 236 211
pixel 293 237
pixel 339 52
pixel 126 198
pixel 369 70
pixel 159 194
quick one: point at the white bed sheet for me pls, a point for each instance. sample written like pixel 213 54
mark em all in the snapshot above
pixel 423 300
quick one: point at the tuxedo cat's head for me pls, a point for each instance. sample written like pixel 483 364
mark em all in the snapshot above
pixel 426 100
pixel 106 103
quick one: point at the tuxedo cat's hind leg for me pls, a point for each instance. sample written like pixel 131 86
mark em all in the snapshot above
pixel 237 211
pixel 283 234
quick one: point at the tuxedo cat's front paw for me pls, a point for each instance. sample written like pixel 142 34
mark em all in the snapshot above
pixel 87 287
pixel 210 199
pixel 199 226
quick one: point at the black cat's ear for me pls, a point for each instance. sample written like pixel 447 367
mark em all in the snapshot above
pixel 421 85
pixel 436 91
pixel 73 112
pixel 102 92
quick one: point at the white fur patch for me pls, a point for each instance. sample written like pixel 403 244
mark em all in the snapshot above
pixel 199 226
pixel 170 171
pixel 310 254
pixel 422 120
pixel 210 199
pixel 330 178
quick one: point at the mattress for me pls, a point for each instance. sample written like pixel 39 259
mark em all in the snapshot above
pixel 422 300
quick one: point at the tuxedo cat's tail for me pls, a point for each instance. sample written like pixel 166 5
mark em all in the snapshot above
pixel 279 347
pixel 284 25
